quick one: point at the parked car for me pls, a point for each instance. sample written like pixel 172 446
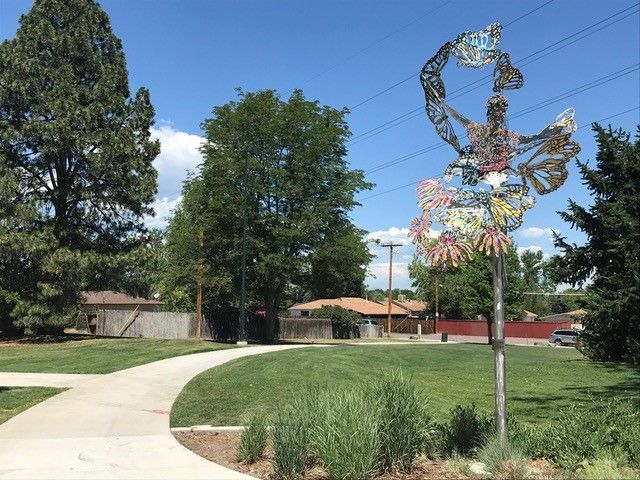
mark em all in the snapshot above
pixel 368 321
pixel 564 337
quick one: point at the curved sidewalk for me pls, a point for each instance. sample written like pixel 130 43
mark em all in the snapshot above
pixel 115 426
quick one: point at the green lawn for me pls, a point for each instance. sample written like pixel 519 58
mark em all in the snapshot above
pixel 539 380
pixel 15 400
pixel 84 354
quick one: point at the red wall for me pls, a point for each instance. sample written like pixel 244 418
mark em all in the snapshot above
pixel 511 328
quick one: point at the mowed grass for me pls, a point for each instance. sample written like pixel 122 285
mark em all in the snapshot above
pixel 83 354
pixel 540 381
pixel 15 400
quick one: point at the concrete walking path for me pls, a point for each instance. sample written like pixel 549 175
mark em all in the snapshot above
pixel 60 380
pixel 114 426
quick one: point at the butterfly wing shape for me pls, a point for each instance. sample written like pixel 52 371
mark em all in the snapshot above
pixel 546 171
pixel 505 75
pixel 430 73
pixel 466 165
pixel 438 116
pixel 464 220
pixel 507 205
pixel 477 49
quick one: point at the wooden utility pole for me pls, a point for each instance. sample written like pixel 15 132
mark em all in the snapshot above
pixel 199 287
pixel 498 347
pixel 390 246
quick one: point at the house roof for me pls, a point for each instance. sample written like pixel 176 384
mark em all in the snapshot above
pixel 411 305
pixel 572 314
pixel 108 297
pixel 355 304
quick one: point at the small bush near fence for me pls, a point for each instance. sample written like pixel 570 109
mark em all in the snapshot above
pixel 344 322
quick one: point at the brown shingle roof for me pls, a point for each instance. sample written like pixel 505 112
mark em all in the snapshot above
pixel 108 297
pixel 411 305
pixel 355 304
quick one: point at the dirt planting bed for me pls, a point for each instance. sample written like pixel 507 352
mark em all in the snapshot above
pixel 221 447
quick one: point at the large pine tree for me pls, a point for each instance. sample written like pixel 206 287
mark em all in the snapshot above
pixel 610 259
pixel 81 147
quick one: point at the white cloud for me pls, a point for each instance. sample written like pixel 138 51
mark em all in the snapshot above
pixel 378 275
pixel 536 232
pixel 163 208
pixel 179 154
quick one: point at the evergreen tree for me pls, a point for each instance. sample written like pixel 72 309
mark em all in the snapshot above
pixel 82 146
pixel 610 259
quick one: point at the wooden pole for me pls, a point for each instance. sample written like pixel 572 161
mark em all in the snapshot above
pixel 390 291
pixel 498 347
pixel 199 288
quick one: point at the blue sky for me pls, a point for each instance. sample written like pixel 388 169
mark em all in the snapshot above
pixel 192 54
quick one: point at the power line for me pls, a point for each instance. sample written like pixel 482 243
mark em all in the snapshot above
pixel 381 92
pixel 400 187
pixel 525 111
pixel 478 83
pixel 376 42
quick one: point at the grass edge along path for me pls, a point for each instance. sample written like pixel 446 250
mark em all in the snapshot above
pixel 540 381
pixel 86 354
pixel 14 400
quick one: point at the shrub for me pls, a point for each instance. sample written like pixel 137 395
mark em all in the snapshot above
pixel 253 440
pixel 503 460
pixel 290 435
pixel 598 429
pixel 465 432
pixel 403 422
pixel 344 322
pixel 345 435
pixel 605 467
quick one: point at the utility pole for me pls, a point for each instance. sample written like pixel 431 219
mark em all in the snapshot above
pixel 390 246
pixel 199 287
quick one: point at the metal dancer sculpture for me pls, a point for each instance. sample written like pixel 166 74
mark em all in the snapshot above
pixel 479 219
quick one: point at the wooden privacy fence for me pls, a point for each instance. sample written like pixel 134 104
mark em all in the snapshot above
pixel 126 323
pixel 410 325
pixel 305 328
pixel 371 331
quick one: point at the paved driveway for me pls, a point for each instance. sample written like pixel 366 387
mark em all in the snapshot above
pixel 114 426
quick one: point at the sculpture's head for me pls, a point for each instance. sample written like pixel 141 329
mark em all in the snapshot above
pixel 497 110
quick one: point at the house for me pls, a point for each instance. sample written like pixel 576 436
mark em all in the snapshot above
pixel 529 316
pixel 570 317
pixel 366 308
pixel 414 308
pixel 109 300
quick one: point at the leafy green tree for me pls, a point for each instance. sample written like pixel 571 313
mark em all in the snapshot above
pixel 82 145
pixel 535 279
pixel 467 290
pixel 609 258
pixel 376 295
pixel 339 264
pixel 282 165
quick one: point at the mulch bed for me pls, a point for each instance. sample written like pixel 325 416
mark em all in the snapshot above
pixel 221 447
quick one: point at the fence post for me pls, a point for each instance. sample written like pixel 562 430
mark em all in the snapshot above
pixel 419 331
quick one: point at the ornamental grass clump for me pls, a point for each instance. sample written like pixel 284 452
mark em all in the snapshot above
pixel 403 422
pixel 503 460
pixel 345 435
pixel 253 440
pixel 290 436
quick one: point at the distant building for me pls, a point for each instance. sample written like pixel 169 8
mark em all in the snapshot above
pixel 572 317
pixel 414 308
pixel 366 308
pixel 529 316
